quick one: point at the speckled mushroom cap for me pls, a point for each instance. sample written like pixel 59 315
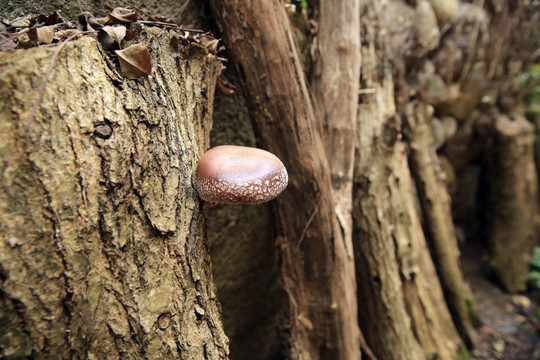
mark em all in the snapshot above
pixel 240 175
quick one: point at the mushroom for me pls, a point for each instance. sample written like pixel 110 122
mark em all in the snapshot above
pixel 240 175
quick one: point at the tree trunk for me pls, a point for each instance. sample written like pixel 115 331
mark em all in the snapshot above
pixel 435 202
pixel 402 308
pixel 512 194
pixel 317 269
pixel 103 251
pixel 335 80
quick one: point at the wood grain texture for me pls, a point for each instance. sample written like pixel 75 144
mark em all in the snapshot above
pixel 335 79
pixel 102 244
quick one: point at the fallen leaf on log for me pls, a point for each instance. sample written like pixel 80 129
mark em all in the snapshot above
pixel 135 61
pixel 207 41
pixel 89 21
pixel 110 37
pixel 119 16
pixel 20 22
pixel 41 35
pixel 64 34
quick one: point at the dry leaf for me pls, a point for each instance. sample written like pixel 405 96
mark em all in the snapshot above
pixel 51 19
pixel 21 22
pixel 124 15
pixel 41 35
pixel 135 61
pixel 64 34
pixel 89 21
pixel 130 35
pixel 119 16
pixel 225 86
pixel 207 41
pixel 24 40
pixel 6 44
pixel 110 37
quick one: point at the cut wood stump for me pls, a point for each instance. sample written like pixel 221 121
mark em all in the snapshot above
pixel 512 190
pixel 102 243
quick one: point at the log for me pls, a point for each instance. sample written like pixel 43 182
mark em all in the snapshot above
pixel 335 81
pixel 512 190
pixel 437 215
pixel 103 251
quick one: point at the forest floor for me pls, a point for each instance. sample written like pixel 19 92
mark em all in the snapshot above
pixel 510 323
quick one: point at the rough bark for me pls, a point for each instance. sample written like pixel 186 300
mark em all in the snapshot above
pixel 102 244
pixel 512 193
pixel 335 80
pixel 401 305
pixel 316 267
pixel 436 209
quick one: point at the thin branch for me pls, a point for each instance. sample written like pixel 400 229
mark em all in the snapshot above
pixel 180 11
pixel 174 26
pixel 310 220
pixel 23 31
pixel 106 4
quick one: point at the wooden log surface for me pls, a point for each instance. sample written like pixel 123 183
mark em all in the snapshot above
pixel 435 203
pixel 512 190
pixel 102 242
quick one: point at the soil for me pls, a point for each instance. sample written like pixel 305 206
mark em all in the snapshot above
pixel 509 326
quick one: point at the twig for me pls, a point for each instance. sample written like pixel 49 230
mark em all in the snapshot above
pixel 13 37
pixel 181 10
pixel 172 25
pixel 106 4
pixel 16 35
pixel 367 91
pixel 306 227
pixel 161 23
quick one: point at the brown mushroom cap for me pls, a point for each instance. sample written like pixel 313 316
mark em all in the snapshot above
pixel 240 175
